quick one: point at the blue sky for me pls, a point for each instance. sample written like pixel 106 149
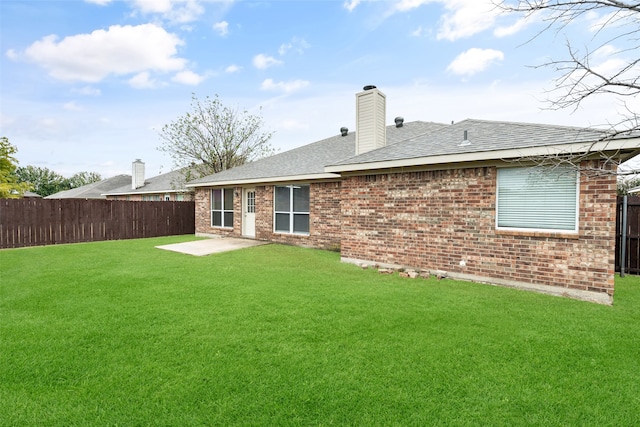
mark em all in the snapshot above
pixel 87 85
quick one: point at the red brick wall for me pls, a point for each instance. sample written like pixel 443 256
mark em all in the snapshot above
pixel 436 219
pixel 324 224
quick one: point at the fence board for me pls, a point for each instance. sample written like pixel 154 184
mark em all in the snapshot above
pixel 632 264
pixel 37 222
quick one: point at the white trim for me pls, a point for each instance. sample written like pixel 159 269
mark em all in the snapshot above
pixel 551 150
pixel 144 193
pixel 540 230
pixel 274 179
pixel 291 212
pixel 222 210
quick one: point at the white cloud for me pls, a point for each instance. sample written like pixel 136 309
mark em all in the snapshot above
pixel 143 80
pixel 519 25
pixel 296 45
pixel 462 18
pixel 120 50
pixel 179 11
pixel 87 90
pixel 474 60
pixel 262 61
pixel 351 4
pixel 11 54
pixel 465 18
pixel 233 68
pixel 286 87
pixel 72 106
pixel 222 28
pixel 405 5
pixel 418 32
pixel 188 78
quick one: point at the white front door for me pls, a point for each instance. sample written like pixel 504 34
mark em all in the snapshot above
pixel 249 212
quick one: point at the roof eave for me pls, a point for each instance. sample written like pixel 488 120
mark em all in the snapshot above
pixel 612 146
pixel 305 177
pixel 141 193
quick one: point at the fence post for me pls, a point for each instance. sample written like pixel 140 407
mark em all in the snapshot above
pixel 623 238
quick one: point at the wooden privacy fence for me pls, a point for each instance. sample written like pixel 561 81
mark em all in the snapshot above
pixel 37 222
pixel 632 240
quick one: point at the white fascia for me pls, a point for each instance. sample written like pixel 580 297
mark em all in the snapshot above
pixel 240 182
pixel 507 154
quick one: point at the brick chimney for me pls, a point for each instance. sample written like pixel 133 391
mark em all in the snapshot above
pixel 137 174
pixel 371 111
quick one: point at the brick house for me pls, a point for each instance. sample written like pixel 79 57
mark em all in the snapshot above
pixel 467 200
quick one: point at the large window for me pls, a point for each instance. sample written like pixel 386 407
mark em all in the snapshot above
pixel 222 207
pixel 292 209
pixel 538 198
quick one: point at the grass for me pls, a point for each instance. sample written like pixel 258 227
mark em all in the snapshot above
pixel 121 333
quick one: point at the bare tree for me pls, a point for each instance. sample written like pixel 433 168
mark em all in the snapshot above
pixel 580 77
pixel 212 138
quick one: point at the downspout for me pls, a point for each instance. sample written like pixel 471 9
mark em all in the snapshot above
pixel 623 238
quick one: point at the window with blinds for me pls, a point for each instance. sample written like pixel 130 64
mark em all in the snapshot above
pixel 537 199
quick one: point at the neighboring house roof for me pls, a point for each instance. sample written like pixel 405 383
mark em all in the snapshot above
pixel 94 190
pixel 170 182
pixel 634 190
pixel 308 161
pixel 31 194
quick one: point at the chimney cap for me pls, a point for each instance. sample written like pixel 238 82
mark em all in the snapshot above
pixel 344 131
pixel 399 121
pixel 368 87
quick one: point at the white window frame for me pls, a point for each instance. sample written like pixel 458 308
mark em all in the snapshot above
pixel 291 212
pixel 558 171
pixel 224 209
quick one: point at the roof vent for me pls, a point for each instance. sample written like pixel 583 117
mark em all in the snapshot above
pixel 344 131
pixel 368 87
pixel 399 121
pixel 465 140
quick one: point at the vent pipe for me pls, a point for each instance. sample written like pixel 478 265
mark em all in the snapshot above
pixel 465 139
pixel 399 121
pixel 344 131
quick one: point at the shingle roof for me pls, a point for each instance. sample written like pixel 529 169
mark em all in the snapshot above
pixel 482 136
pixel 311 159
pixel 168 182
pixel 93 190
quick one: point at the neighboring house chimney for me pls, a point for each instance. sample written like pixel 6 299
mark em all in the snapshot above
pixel 137 174
pixel 371 111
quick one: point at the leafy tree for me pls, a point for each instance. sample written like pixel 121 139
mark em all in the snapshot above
pixel 83 178
pixel 212 138
pixel 10 187
pixel 46 182
pixel 581 75
pixel 42 180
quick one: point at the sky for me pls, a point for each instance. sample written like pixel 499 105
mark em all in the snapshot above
pixel 88 85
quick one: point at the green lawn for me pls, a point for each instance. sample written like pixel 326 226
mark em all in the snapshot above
pixel 121 333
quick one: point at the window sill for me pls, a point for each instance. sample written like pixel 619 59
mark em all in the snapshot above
pixel 290 234
pixel 545 234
